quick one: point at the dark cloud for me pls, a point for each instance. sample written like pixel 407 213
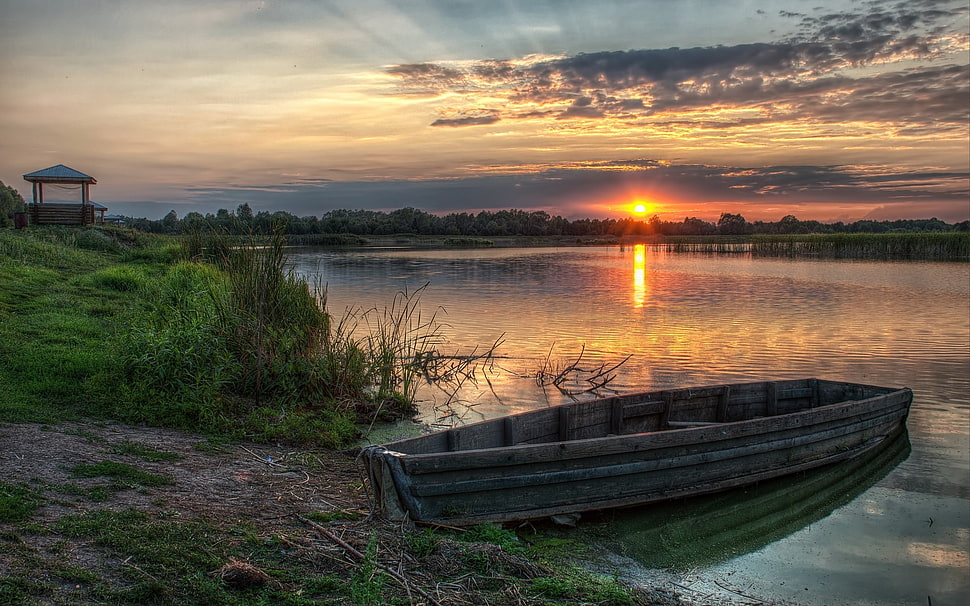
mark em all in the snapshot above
pixel 810 77
pixel 473 120
pixel 884 19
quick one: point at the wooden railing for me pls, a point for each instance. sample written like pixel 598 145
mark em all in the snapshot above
pixel 60 214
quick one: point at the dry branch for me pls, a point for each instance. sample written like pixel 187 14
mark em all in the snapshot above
pixel 408 585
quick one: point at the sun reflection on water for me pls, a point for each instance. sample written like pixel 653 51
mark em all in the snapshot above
pixel 639 275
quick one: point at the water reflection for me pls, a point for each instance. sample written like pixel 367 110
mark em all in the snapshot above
pixel 705 531
pixel 639 275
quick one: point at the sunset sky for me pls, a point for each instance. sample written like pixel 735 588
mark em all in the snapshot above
pixel 824 109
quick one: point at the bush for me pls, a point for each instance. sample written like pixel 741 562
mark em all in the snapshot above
pixel 243 345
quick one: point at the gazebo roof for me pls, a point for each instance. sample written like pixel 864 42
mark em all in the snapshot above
pixel 59 174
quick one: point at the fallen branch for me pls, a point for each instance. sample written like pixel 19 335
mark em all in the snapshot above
pixel 565 377
pixel 408 585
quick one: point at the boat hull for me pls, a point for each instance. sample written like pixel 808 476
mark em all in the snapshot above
pixel 651 447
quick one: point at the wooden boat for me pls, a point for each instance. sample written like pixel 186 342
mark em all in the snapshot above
pixel 630 450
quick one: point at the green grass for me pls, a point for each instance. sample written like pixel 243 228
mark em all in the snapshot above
pixel 153 559
pixel 53 331
pixel 17 502
pixel 577 586
pixel 142 557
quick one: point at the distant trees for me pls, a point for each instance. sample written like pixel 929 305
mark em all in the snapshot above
pixel 731 225
pixel 506 223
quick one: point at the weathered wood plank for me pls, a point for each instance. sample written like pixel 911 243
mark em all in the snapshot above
pixel 668 400
pixel 792 446
pixel 510 435
pixel 692 423
pixel 53 213
pixel 616 417
pixel 722 403
pixel 468 518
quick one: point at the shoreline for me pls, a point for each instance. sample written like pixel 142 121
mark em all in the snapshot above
pixel 927 246
pixel 275 510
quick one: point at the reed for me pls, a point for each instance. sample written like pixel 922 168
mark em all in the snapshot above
pixel 703 244
pixel 397 337
pixel 927 246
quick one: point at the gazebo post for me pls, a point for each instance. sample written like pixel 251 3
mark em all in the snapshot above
pixel 84 205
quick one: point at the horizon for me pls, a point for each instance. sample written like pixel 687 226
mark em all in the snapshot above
pixel 638 216
pixel 829 110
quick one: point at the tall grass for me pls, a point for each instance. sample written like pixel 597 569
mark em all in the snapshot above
pixel 399 342
pixel 273 324
pixel 236 340
pixel 929 246
pixel 176 362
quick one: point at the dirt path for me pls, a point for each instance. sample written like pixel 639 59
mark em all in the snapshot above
pixel 230 482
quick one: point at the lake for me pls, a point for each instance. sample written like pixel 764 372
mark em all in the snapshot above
pixel 892 531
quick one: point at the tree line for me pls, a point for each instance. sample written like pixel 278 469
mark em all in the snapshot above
pixel 508 223
pixel 483 224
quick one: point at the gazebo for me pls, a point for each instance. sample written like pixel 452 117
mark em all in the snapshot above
pixel 65 177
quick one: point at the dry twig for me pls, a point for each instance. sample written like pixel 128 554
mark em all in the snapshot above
pixel 408 585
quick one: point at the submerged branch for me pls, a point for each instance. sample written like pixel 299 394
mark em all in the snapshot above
pixel 573 379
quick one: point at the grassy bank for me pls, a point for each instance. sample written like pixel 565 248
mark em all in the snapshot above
pixel 66 297
pixel 200 334
pixel 98 326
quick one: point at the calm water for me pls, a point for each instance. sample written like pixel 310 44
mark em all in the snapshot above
pixel 895 533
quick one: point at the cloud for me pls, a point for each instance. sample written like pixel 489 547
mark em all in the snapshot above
pixel 850 66
pixel 468 120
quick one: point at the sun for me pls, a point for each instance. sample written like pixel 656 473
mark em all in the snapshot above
pixel 641 207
